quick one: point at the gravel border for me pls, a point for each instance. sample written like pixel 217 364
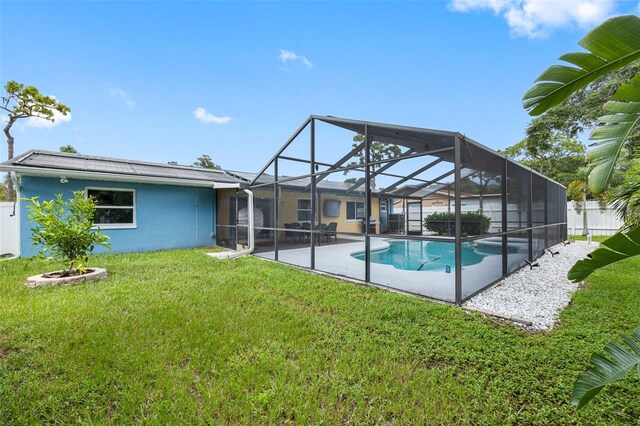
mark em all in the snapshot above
pixel 539 294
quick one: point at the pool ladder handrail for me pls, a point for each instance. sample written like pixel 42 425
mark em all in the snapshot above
pixel 427 261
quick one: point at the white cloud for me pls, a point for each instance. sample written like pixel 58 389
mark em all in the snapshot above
pixel 116 92
pixel 536 18
pixel 289 56
pixel 41 123
pixel 204 117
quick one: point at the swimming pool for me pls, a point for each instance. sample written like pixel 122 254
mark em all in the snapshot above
pixel 416 255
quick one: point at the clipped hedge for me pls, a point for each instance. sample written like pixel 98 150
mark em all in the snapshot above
pixel 473 223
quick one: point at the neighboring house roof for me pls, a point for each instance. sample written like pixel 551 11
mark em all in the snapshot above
pixel 445 194
pixel 299 183
pixel 248 176
pixel 59 164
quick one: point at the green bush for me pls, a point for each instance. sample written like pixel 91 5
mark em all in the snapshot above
pixel 64 229
pixel 473 223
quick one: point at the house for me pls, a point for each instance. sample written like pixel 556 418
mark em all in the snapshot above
pixel 141 206
pixel 146 206
pixel 336 203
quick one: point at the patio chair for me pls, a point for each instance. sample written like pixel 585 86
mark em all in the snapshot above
pixel 331 231
pixel 297 236
pixel 288 233
pixel 306 226
pixel 321 228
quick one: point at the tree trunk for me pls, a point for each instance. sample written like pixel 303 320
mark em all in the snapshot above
pixel 585 227
pixel 11 195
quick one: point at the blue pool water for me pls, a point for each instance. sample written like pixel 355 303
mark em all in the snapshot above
pixel 413 255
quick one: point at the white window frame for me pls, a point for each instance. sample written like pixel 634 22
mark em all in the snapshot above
pixel 298 209
pixel 355 210
pixel 114 225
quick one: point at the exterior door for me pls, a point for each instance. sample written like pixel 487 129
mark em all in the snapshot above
pixel 384 215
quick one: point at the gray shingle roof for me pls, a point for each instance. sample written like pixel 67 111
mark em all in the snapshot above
pixel 299 183
pixel 93 164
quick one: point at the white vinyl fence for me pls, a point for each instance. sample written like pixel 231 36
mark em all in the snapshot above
pixel 599 222
pixel 9 229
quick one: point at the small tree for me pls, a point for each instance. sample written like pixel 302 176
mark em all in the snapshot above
pixel 68 149
pixel 64 230
pixel 354 180
pixel 205 162
pixel 579 193
pixel 378 151
pixel 23 102
pixel 3 192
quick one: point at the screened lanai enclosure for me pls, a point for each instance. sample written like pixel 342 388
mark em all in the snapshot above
pixel 422 211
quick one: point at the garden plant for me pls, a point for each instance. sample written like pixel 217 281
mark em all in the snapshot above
pixel 64 230
pixel 473 223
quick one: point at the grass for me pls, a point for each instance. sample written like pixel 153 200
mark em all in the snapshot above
pixel 175 337
pixel 597 238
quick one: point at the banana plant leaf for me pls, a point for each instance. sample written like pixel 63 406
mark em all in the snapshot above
pixel 620 246
pixel 610 138
pixel 603 371
pixel 610 46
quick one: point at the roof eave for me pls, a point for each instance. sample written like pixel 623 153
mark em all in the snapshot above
pixel 113 177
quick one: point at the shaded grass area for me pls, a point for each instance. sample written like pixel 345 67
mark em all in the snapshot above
pixel 177 337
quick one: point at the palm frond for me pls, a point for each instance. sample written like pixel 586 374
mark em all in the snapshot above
pixel 625 200
pixel 611 45
pixel 603 371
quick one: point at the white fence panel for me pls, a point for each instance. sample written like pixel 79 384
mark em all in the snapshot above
pixel 9 229
pixel 599 222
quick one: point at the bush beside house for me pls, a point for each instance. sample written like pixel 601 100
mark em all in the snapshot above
pixel 473 223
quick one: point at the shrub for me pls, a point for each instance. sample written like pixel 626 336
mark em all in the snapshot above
pixel 473 223
pixel 63 229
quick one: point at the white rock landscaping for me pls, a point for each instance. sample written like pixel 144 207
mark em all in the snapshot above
pixel 539 294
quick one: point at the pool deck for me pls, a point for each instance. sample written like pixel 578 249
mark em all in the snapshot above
pixel 336 259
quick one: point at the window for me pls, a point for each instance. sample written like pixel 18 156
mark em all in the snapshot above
pixel 304 210
pixel 355 210
pixel 383 204
pixel 115 208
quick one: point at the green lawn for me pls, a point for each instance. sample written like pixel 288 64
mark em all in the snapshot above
pixel 176 337
pixel 598 238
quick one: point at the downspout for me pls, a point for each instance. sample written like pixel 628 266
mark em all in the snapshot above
pixel 16 187
pixel 248 250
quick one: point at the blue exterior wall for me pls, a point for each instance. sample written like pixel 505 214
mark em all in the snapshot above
pixel 167 216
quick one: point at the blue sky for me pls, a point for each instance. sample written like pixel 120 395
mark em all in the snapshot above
pixel 161 81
